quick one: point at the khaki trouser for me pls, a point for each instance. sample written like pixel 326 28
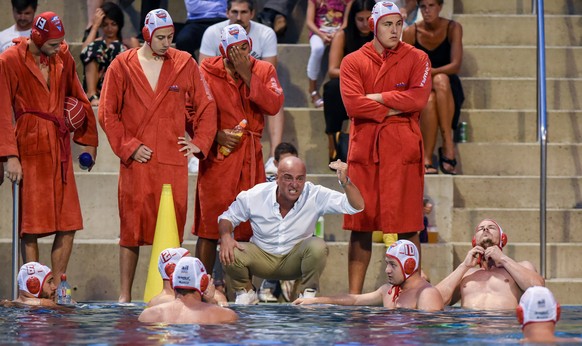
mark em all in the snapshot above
pixel 304 262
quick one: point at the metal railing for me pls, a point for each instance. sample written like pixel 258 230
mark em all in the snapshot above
pixel 538 6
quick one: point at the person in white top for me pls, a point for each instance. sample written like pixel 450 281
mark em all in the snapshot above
pixel 264 47
pixel 23 12
pixel 283 215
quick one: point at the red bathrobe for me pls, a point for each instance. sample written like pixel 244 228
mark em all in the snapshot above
pixel 386 153
pixel 132 114
pixel 220 178
pixel 48 193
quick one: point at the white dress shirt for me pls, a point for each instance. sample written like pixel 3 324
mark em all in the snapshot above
pixel 275 234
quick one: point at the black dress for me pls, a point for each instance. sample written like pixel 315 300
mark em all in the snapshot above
pixel 441 56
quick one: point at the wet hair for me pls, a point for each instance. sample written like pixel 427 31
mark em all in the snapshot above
pixel 284 148
pixel 21 5
pixel 250 2
pixel 184 291
pixel 113 12
pixel 354 39
pixel 440 2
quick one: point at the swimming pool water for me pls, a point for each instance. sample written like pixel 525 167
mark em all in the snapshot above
pixel 272 324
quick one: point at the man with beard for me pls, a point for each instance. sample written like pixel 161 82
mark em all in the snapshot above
pixel 36 286
pixel 23 13
pixel 488 279
pixel 405 288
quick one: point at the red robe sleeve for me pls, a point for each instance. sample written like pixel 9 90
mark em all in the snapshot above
pixel 353 92
pixel 266 92
pixel 86 134
pixel 201 115
pixel 415 97
pixel 111 101
pixel 8 85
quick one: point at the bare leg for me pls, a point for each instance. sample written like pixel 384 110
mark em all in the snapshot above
pixel 92 78
pixel 206 252
pixel 445 111
pixel 429 129
pixel 29 248
pixel 60 253
pixel 128 257
pixel 275 126
pixel 359 254
pixel 331 146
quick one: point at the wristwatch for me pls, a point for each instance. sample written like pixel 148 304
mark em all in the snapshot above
pixel 346 183
pixel 93 97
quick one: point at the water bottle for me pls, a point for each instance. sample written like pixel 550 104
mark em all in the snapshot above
pixel 64 291
pixel 319 227
pixel 85 161
pixel 238 131
pixel 463 132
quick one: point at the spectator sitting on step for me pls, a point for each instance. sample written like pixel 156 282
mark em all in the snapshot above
pixel 99 51
pixel 538 312
pixel 201 15
pixel 324 19
pixel 275 13
pixel 405 287
pixel 488 279
pixel 441 39
pixel 23 13
pixel 283 246
pixel 353 37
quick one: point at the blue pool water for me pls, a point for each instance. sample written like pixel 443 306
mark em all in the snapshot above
pixel 106 323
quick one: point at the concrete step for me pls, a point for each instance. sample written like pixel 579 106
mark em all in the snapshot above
pixel 515 192
pixel 558 256
pixel 510 159
pixel 304 128
pixel 520 61
pixel 523 225
pixel 515 7
pixel 98 197
pixel 566 291
pixel 94 267
pixel 519 30
pixel 520 93
pixel 520 126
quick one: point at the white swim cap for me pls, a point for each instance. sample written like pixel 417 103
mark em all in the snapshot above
pixel 32 277
pixel 154 20
pixel 168 260
pixel 190 274
pixel 537 304
pixel 382 9
pixel 406 253
pixel 231 35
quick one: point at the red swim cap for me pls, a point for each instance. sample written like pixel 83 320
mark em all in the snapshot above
pixel 47 26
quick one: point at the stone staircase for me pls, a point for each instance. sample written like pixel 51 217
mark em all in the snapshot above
pixel 500 162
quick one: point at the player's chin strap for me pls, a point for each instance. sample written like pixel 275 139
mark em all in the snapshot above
pixel 397 290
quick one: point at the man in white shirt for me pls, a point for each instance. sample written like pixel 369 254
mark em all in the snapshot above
pixel 283 215
pixel 264 47
pixel 23 12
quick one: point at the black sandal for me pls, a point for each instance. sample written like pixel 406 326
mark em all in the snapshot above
pixel 429 169
pixel 443 159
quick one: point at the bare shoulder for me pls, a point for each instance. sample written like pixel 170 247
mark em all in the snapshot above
pixel 430 299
